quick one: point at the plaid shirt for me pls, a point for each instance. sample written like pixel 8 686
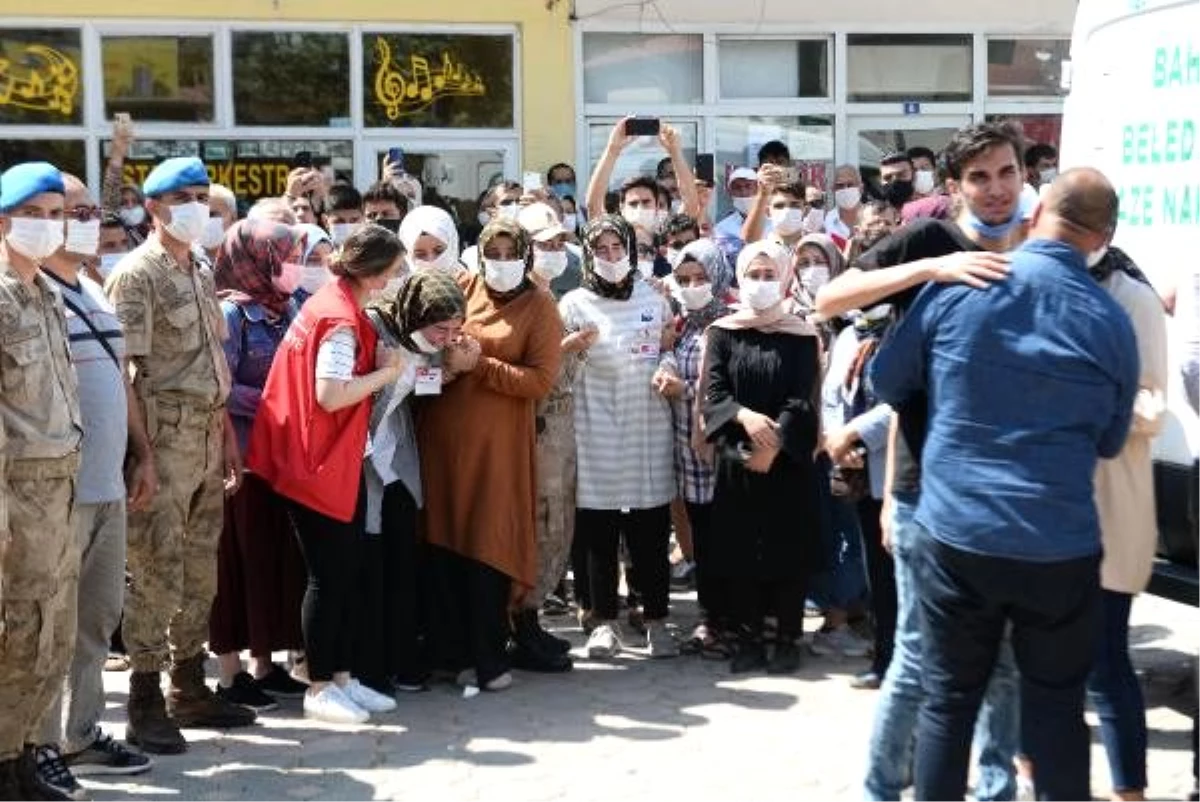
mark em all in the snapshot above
pixel 693 474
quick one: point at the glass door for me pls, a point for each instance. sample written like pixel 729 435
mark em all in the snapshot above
pixel 872 138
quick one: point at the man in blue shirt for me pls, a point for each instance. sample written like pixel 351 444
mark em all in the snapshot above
pixel 1029 382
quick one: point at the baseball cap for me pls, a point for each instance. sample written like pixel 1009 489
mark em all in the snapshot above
pixel 741 172
pixel 540 221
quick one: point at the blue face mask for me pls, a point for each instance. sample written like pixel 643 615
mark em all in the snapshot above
pixel 563 189
pixel 993 230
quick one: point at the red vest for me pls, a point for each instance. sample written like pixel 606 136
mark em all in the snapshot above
pixel 306 454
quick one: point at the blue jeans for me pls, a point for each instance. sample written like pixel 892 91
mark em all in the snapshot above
pixel 1114 691
pixel 997 730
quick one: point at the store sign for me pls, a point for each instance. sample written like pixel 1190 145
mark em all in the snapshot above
pixel 405 91
pixel 248 179
pixel 42 80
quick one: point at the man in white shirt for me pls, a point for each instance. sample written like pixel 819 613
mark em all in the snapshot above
pixel 742 186
pixel 847 196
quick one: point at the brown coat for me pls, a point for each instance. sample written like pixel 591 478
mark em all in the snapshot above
pixel 477 439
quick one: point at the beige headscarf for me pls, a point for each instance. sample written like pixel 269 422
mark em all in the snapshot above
pixel 781 317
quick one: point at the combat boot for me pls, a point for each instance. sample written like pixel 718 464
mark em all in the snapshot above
pixel 149 727
pixel 191 703
pixel 10 786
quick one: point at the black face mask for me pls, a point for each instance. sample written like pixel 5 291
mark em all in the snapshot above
pixel 898 192
pixel 392 224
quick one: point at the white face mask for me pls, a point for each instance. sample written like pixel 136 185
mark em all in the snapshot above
pixel 787 221
pixel 743 204
pixel 673 256
pixel 660 217
pixel 1047 176
pixel 340 232
pixel 570 222
pixel 508 212
pixel 35 239
pixel 642 218
pixel 923 182
pixel 313 278
pixel 815 221
pixel 847 198
pixel 612 272
pixel 133 217
pixel 813 279
pixel 83 238
pixel 676 207
pixel 484 218
pixel 503 276
pixel 443 261
pixel 188 221
pixel 213 234
pixel 760 294
pixel 549 264
pixel 288 280
pixel 1095 257
pixel 108 263
pixel 422 343
pixel 694 298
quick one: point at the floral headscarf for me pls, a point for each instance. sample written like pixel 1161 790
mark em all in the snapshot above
pixel 710 257
pixel 593 282
pixel 427 298
pixel 252 253
pixel 510 228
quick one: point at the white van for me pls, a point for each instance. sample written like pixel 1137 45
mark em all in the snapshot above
pixel 1133 111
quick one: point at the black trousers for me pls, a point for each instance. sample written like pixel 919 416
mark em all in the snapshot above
pixel 388 644
pixel 881 578
pixel 329 615
pixel 468 614
pixel 712 590
pixel 647 533
pixel 753 600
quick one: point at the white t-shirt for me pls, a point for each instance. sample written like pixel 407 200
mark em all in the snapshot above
pixel 335 357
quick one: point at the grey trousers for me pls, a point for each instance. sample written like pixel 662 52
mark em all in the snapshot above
pixel 73 720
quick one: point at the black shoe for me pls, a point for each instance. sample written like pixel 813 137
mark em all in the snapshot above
pixel 786 658
pixel 751 656
pixel 280 684
pixel 555 606
pixel 107 755
pixel 540 661
pixel 245 692
pixel 412 683
pixel 50 778
pixel 866 681
pixel 552 643
pixel 382 685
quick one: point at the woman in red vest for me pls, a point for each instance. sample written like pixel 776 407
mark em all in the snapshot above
pixel 308 442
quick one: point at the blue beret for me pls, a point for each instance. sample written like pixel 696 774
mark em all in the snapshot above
pixel 20 183
pixel 173 174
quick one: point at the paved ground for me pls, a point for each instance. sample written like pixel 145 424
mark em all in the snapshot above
pixel 629 730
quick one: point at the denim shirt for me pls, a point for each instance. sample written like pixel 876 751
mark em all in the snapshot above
pixel 249 351
pixel 1029 382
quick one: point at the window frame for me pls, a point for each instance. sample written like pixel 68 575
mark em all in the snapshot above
pixel 1023 99
pixel 103 31
pixel 830 49
pixel 47 129
pixel 236 28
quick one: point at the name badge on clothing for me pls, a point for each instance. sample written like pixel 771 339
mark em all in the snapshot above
pixel 429 381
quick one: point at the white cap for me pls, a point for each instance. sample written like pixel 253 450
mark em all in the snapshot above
pixel 540 221
pixel 741 172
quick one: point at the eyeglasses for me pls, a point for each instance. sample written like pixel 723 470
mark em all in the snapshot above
pixel 84 214
pixel 647 252
pixel 677 245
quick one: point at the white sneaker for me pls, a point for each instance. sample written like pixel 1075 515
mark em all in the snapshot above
pixel 604 642
pixel 662 643
pixel 334 706
pixel 467 678
pixel 370 700
pixel 840 641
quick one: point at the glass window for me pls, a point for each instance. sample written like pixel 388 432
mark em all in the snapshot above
pixel 633 68
pixel 314 67
pixel 755 68
pixel 68 155
pixel 1027 67
pixel 1045 129
pixel 159 78
pixel 252 169
pixel 809 141
pixel 40 77
pixel 640 157
pixel 437 81
pixel 886 67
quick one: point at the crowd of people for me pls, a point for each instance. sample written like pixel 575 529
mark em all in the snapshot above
pixel 328 428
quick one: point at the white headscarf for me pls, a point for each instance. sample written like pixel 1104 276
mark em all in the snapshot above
pixel 436 223
pixel 778 318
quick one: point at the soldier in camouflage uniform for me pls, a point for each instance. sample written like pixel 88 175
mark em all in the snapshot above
pixel 40 422
pixel 166 301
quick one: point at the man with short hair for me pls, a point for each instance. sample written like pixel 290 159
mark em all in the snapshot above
pixel 924 162
pixel 173 329
pixel 561 180
pixel 1041 164
pixel 1035 381
pixel 842 220
pixel 743 188
pixel 113 429
pixel 385 205
pixel 780 203
pixel 40 432
pixel 113 245
pixel 774 152
pixel 554 265
pixel 896 179
pixel 343 212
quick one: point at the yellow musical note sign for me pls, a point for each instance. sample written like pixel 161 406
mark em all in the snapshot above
pixel 403 93
pixel 45 80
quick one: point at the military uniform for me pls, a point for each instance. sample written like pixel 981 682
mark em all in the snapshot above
pixel 173 332
pixel 40 422
pixel 555 480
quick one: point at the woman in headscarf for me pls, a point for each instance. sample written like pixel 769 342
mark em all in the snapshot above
pixel 760 410
pixel 314 261
pixel 817 262
pixel 623 435
pixel 430 241
pixel 260 573
pixel 477 461
pixel 699 282
pixel 419 321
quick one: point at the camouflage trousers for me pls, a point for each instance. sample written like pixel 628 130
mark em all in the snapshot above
pixel 40 581
pixel 172 546
pixel 555 497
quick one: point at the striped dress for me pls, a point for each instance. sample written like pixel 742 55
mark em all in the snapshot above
pixel 622 426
